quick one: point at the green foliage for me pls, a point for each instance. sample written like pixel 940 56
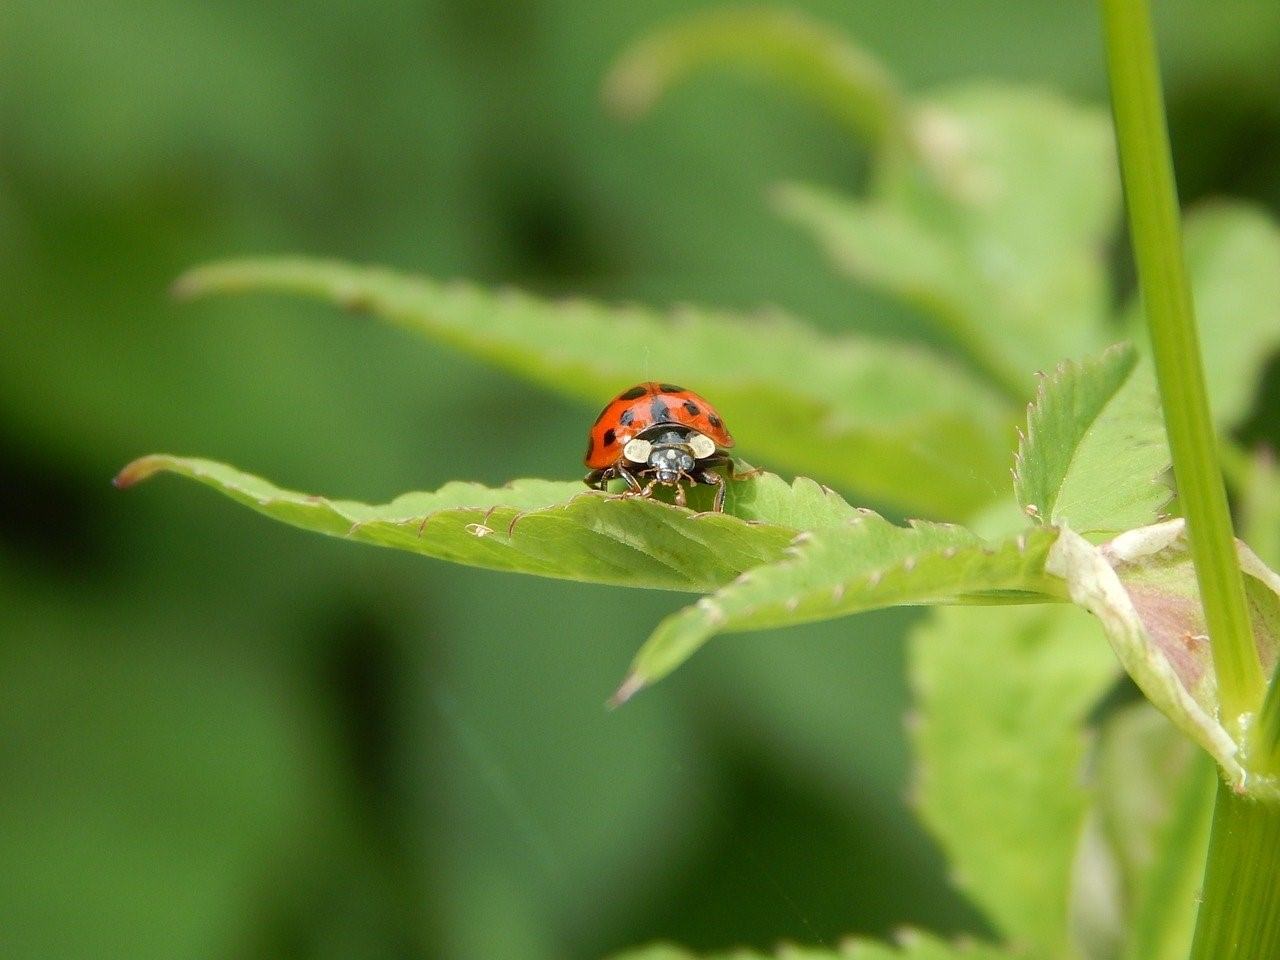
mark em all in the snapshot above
pixel 1009 271
pixel 959 223
pixel 787 48
pixel 894 422
pixel 548 528
pixel 865 564
pixel 1094 447
pixel 1002 698
pixel 988 213
pixel 1154 798
pixel 797 553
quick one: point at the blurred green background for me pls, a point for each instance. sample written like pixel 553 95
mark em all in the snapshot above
pixel 221 738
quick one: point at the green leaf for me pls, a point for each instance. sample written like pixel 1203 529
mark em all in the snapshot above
pixel 897 424
pixel 1094 447
pixel 1233 257
pixel 1013 272
pixel 1002 698
pixel 863 564
pixel 990 153
pixel 910 945
pixel 548 528
pixel 891 250
pixel 959 223
pixel 1154 803
pixel 781 44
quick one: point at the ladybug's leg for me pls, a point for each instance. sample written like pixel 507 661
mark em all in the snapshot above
pixel 633 485
pixel 634 488
pixel 711 477
pixel 598 479
pixel 680 497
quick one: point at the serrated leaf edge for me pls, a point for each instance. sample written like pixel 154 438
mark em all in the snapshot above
pixel 1027 438
pixel 709 610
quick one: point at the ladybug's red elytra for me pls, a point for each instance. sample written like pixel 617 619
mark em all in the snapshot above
pixel 659 433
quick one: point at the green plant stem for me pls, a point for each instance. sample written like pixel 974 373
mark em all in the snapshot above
pixel 1240 913
pixel 1152 203
pixel 1267 742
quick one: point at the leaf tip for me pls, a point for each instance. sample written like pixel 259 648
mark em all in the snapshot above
pixel 632 685
pixel 136 471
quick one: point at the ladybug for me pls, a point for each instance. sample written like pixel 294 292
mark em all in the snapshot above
pixel 659 433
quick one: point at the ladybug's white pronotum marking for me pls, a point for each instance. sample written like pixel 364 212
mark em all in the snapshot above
pixel 637 450
pixel 701 447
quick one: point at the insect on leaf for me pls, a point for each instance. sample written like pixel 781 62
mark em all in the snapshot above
pixel 548 528
pixel 895 423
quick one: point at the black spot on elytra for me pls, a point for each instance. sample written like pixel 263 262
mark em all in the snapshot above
pixel 671 388
pixel 691 408
pixel 715 421
pixel 627 417
pixel 609 437
pixel 633 393
pixel 658 411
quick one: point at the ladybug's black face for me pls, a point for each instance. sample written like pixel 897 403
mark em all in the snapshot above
pixel 668 463
pixel 670 456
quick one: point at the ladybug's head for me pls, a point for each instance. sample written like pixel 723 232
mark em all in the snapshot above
pixel 668 452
